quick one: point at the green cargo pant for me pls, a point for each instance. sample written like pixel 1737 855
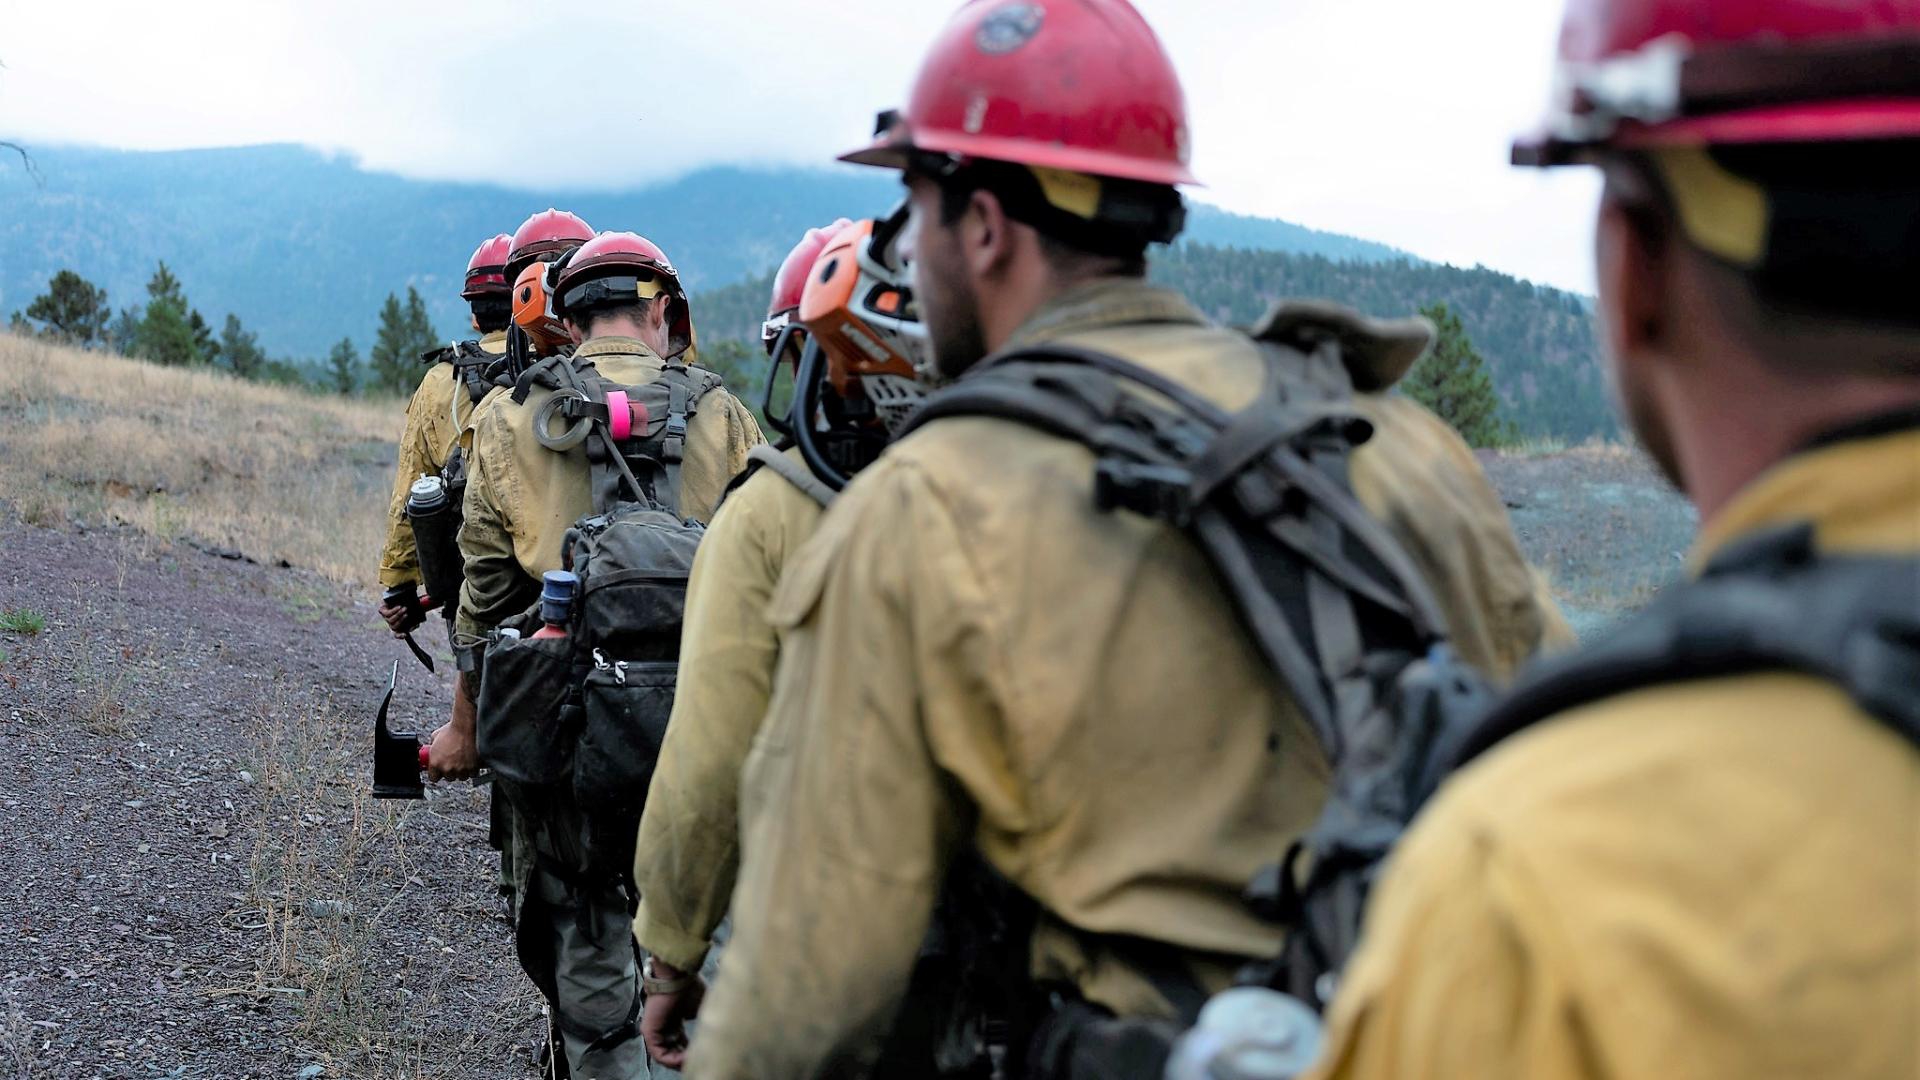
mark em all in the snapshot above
pixel 596 979
pixel 576 943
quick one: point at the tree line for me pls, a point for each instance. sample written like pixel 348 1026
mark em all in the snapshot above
pixel 1454 380
pixel 168 330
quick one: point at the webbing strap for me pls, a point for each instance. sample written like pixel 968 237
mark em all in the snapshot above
pixel 1336 627
pixel 765 456
pixel 1324 490
pixel 673 441
pixel 1284 533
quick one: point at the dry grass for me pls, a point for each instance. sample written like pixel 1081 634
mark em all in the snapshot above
pixel 1594 447
pixel 276 473
pixel 330 871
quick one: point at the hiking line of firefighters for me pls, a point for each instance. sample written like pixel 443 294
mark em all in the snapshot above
pixel 1052 697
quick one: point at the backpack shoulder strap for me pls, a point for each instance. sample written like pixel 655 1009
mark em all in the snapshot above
pixel 1263 491
pixel 765 456
pixel 685 387
pixel 1771 603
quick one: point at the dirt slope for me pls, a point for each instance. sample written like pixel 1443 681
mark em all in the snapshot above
pixel 1600 523
pixel 195 882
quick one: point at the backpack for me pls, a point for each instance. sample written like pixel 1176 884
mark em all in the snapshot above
pixel 1349 628
pixel 441 566
pixel 1769 602
pixel 1336 608
pixel 583 716
pixel 473 367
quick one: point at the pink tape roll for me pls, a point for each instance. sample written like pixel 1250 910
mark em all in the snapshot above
pixel 619 415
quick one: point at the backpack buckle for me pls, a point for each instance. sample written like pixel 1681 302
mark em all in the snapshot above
pixel 1160 492
pixel 618 667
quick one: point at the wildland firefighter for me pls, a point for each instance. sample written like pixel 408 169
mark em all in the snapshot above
pixel 541 239
pixel 834 288
pixel 541 243
pixel 1690 850
pixel 454 383
pixel 616 452
pixel 1002 646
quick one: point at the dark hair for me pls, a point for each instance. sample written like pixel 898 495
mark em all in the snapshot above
pixel 631 309
pixel 1844 239
pixel 492 313
pixel 1131 215
pixel 1835 289
pixel 1843 228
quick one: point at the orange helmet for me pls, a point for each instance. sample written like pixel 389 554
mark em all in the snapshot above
pixel 791 281
pixel 622 267
pixel 533 310
pixel 487 270
pixel 545 236
pixel 859 308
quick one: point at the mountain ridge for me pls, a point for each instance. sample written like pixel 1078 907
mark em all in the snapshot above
pixel 259 231
pixel 303 246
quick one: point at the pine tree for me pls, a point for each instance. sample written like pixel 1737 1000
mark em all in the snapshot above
pixel 393 357
pixel 419 325
pixel 124 334
pixel 205 349
pixel 171 332
pixel 164 336
pixel 240 350
pixel 74 309
pixel 343 366
pixel 1453 381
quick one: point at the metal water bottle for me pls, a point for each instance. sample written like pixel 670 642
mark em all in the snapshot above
pixel 436 527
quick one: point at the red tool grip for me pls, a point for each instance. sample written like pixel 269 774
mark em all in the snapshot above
pixel 425 750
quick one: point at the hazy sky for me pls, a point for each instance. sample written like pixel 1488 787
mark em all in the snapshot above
pixel 1387 119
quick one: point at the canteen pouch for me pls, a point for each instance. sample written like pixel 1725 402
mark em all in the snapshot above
pixel 625 707
pixel 528 713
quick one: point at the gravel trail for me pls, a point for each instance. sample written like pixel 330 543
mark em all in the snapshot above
pixel 194 881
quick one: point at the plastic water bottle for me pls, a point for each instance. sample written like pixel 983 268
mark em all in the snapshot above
pixel 557 590
pixel 1248 1033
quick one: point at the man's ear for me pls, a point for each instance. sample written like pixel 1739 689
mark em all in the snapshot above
pixel 986 233
pixel 1634 264
pixel 575 331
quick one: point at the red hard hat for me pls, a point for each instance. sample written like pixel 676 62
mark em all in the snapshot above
pixel 1078 85
pixel 1638 74
pixel 791 280
pixel 487 270
pixel 544 236
pixel 625 267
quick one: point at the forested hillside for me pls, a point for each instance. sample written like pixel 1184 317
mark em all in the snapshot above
pixel 1539 341
pixel 304 247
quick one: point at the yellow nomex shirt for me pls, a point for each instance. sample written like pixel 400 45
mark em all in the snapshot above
pixel 1714 879
pixel 436 416
pixel 522 497
pixel 972 655
pixel 689 848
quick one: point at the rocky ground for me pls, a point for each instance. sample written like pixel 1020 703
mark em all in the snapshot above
pixel 1600 523
pixel 194 881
